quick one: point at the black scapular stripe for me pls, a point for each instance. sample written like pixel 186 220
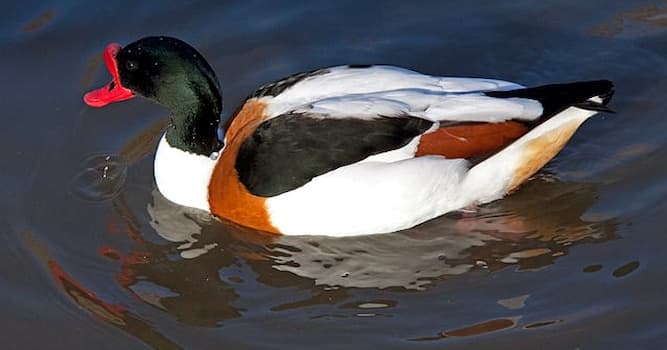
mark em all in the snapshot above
pixel 557 97
pixel 287 151
pixel 277 87
pixel 360 66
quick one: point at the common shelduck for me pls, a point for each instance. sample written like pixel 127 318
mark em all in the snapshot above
pixel 347 150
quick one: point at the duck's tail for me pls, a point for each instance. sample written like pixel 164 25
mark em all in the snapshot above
pixel 555 98
pixel 566 107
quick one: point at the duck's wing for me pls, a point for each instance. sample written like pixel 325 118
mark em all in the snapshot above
pixel 366 84
pixel 287 151
pixel 429 105
pixel 327 119
pixel 381 89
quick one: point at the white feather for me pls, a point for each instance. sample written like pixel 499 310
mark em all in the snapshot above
pixel 426 105
pixel 183 177
pixel 391 91
pixel 371 197
pixel 405 152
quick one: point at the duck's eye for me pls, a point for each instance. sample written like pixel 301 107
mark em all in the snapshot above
pixel 131 65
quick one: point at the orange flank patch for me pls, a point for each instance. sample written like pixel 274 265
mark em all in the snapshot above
pixel 465 141
pixel 227 196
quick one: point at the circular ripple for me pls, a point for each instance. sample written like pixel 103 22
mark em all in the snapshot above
pixel 100 177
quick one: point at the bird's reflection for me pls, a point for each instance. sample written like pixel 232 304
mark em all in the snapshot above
pixel 197 275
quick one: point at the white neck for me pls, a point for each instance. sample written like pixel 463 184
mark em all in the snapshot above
pixel 183 177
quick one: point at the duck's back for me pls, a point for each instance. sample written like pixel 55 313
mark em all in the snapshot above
pixel 371 82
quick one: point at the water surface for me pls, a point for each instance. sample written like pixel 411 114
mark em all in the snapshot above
pixel 573 259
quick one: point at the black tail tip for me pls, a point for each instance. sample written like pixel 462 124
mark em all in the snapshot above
pixel 604 89
pixel 606 97
pixel 555 98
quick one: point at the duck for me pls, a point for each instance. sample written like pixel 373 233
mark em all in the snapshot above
pixel 345 150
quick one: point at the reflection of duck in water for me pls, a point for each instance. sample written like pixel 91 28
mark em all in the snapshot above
pixel 101 306
pixel 512 232
pixel 345 150
pixel 112 313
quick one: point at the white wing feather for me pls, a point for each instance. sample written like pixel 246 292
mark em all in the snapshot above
pixel 392 91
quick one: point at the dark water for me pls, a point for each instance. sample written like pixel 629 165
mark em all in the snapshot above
pixel 574 260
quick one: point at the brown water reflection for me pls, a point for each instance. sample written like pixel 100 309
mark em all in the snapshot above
pixel 39 22
pixel 652 16
pixel 476 329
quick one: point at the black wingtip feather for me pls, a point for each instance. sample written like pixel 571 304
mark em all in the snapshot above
pixel 555 98
pixel 595 106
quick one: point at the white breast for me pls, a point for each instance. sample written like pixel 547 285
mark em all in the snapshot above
pixel 183 177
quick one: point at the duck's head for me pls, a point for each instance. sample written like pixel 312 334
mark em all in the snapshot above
pixel 173 74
